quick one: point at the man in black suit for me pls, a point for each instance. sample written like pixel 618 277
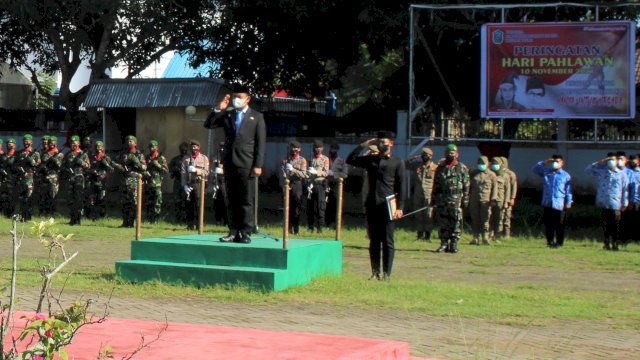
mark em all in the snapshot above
pixel 245 142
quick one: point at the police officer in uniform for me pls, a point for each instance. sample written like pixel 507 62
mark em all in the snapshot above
pixel 316 187
pixel 482 192
pixel 193 170
pixel 294 168
pixel 179 196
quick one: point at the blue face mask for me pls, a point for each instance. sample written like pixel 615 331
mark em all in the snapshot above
pixel 611 164
pixel 482 167
pixel 495 167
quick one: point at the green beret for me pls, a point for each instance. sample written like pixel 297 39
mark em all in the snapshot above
pixel 11 140
pixel 53 138
pixel 27 137
pixel 131 137
pixel 452 147
pixel 46 137
pixel 75 138
pixel 153 142
pixel 99 143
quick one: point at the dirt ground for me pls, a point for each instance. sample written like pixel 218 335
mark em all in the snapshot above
pixel 442 337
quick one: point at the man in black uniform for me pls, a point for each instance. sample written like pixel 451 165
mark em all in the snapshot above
pixel 245 143
pixel 385 174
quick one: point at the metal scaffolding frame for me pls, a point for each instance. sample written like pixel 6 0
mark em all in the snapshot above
pixel 415 108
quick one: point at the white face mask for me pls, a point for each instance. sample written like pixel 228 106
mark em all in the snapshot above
pixel 495 167
pixel 611 164
pixel 238 103
pixel 620 163
pixel 555 165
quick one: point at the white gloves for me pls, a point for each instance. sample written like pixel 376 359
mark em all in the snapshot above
pixel 219 170
pixel 313 171
pixel 187 189
pixel 288 167
pixel 191 169
pixel 330 172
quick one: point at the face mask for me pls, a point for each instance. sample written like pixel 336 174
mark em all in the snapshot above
pixel 620 163
pixel 333 153
pixel 238 103
pixel 611 164
pixel 555 165
pixel 495 167
pixel 425 158
pixel 317 151
pixel 482 167
pixel 633 165
pixel 293 151
pixel 383 148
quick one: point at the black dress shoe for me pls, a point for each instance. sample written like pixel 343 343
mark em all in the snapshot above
pixel 242 239
pixel 229 238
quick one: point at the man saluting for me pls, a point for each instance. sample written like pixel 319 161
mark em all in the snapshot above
pixel 245 142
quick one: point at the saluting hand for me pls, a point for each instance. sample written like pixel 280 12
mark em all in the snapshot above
pixel 224 103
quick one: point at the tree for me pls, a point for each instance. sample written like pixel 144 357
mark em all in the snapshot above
pixel 55 35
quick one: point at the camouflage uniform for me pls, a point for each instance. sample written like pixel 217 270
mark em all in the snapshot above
pixel 76 163
pixel 502 200
pixel 132 165
pixel 51 164
pixel 26 164
pixel 179 196
pixel 508 216
pixel 101 165
pixel 482 192
pixel 9 196
pixel 450 194
pixel 157 168
pixel 422 177
pixel 40 178
pixel 317 198
pixel 294 167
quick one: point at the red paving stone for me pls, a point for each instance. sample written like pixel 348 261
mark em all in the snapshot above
pixel 191 341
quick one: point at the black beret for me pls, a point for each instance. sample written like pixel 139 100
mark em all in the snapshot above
pixel 610 154
pixel 295 144
pixel 194 142
pixel 318 143
pixel 385 134
pixel 557 157
pixel 621 153
pixel 239 88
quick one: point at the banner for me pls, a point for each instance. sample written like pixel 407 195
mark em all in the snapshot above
pixel 558 70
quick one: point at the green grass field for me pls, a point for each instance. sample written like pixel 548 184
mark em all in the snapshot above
pixel 519 281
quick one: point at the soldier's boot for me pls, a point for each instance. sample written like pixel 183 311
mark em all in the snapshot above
pixel 420 235
pixel 615 245
pixel 474 241
pixel 427 236
pixel 453 246
pixel 606 246
pixel 485 239
pixel 443 246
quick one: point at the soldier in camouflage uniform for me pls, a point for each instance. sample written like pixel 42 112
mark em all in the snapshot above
pixel 423 171
pixel 86 145
pixel 157 168
pixel 513 182
pixel 179 196
pixel 39 177
pixel 294 167
pixel 502 200
pixel 9 195
pixel 101 165
pixel 482 192
pixel 75 165
pixel 450 195
pixel 131 164
pixel 316 186
pixel 26 164
pixel 52 161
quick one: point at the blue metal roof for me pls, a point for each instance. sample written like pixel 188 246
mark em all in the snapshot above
pixel 179 67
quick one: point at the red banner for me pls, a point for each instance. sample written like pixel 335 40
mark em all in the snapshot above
pixel 558 70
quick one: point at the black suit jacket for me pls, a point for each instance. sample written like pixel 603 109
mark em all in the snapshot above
pixel 244 149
